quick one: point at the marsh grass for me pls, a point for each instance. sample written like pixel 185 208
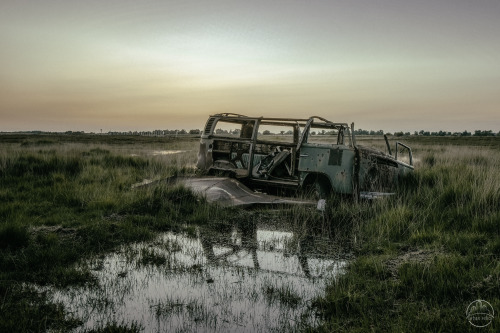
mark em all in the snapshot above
pixel 284 294
pixel 38 313
pixel 117 328
pixel 63 201
pixel 424 255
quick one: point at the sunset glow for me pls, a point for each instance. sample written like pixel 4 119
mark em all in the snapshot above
pixel 127 65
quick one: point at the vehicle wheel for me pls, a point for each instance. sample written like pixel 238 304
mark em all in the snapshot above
pixel 320 189
pixel 371 180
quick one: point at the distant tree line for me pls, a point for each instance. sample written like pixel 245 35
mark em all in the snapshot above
pixel 428 133
pixel 267 132
pixel 158 132
pixel 464 133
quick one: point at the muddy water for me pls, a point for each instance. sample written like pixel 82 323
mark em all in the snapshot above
pixel 245 279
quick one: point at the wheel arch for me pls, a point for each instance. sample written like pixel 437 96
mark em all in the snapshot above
pixel 312 177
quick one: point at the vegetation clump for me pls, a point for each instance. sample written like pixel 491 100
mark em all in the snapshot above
pixel 424 254
pixel 61 205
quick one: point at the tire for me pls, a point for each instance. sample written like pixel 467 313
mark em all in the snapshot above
pixel 319 189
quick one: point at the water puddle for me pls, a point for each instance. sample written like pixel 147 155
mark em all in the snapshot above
pixel 244 279
pixel 167 152
pixel 159 153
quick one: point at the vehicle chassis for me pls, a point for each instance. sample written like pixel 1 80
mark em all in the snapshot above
pixel 294 160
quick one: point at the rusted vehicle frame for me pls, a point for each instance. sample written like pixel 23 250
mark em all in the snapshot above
pixel 296 160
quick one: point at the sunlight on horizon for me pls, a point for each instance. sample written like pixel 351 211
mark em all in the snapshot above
pixel 87 65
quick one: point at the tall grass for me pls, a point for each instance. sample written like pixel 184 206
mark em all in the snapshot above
pixel 60 202
pixel 424 254
pixel 89 193
pixel 421 256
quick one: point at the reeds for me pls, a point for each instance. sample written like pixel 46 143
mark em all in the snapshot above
pixel 422 255
pixel 426 253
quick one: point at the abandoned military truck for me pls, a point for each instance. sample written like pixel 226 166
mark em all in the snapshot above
pixel 313 155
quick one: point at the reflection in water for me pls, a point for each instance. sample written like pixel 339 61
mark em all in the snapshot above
pixel 243 279
pixel 272 250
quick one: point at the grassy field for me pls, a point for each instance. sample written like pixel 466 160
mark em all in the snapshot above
pixel 421 257
pixel 64 198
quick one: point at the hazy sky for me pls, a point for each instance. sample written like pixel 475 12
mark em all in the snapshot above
pixel 145 65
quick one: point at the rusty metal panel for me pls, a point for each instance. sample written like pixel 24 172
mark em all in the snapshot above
pixel 317 159
pixel 335 156
pixel 230 192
